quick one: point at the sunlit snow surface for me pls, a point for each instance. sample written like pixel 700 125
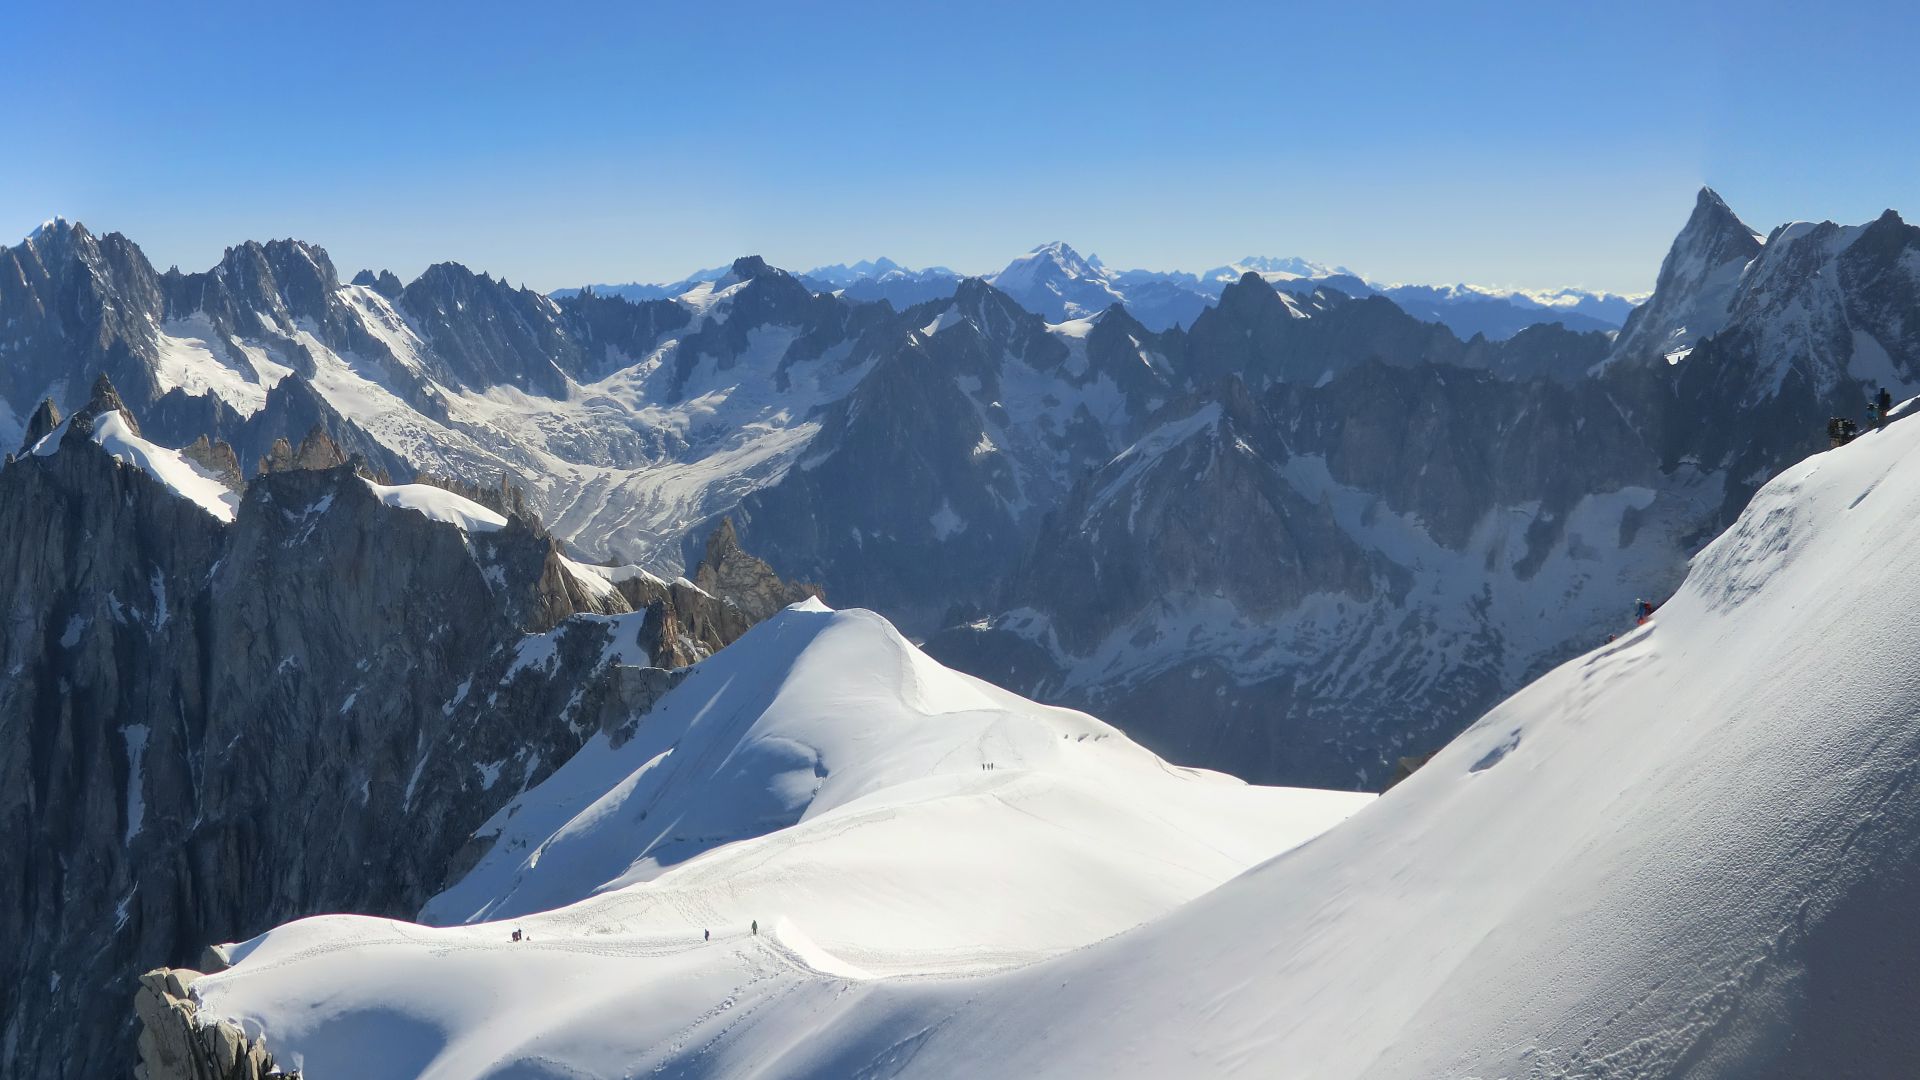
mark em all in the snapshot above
pixel 1679 855
pixel 172 469
pixel 437 504
pixel 821 776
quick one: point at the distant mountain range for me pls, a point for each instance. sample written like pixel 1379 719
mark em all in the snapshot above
pixel 1055 282
pixel 1299 537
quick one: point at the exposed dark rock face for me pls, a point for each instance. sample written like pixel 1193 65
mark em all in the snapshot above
pixel 208 728
pixel 862 530
pixel 490 334
pixel 739 579
pixel 75 303
pixel 1737 369
pixel 45 418
pixel 1323 522
pixel 218 458
pixel 1545 476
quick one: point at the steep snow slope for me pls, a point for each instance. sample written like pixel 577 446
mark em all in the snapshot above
pixel 879 815
pixel 1690 852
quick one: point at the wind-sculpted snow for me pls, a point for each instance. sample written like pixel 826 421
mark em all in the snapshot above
pixel 879 816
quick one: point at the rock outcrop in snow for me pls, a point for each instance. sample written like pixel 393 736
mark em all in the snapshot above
pixel 742 580
pixel 176 1043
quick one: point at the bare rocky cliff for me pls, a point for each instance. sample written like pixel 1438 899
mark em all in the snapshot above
pixel 208 728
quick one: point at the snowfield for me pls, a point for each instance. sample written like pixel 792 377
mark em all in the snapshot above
pixel 881 817
pixel 1694 851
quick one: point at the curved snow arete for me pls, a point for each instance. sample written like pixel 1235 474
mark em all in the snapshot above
pixel 880 816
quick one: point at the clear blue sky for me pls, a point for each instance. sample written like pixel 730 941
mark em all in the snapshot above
pixel 562 143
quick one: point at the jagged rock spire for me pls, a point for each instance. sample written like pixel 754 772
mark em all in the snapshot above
pixel 41 424
pixel 316 451
pixel 742 580
pixel 218 458
pixel 1692 296
pixel 103 400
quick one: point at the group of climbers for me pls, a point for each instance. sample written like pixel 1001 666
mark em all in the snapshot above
pixel 1841 430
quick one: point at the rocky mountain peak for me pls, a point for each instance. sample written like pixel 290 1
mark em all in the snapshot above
pixel 104 399
pixel 280 278
pixel 316 451
pixel 217 457
pixel 45 418
pixel 986 304
pixel 384 283
pixel 1693 295
pixel 746 582
pixel 749 267
pixel 725 541
pixel 1251 297
pixel 971 292
pixel 55 232
pixel 1715 222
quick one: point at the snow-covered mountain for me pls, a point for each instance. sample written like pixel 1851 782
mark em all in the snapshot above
pixel 1372 527
pixel 883 279
pixel 1057 283
pixel 927 462
pixel 642 290
pixel 1693 296
pixel 871 811
pixel 1498 314
pixel 1274 268
pixel 1306 536
pixel 1753 338
pixel 1687 852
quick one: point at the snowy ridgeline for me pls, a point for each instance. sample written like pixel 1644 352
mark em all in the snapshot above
pixel 1682 854
pixel 878 815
